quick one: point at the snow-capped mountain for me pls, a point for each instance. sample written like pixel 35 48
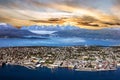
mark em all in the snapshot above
pixel 93 34
pixel 3 24
pixel 49 28
pixel 6 26
pixel 58 31
pixel 72 31
pixel 8 31
pixel 115 28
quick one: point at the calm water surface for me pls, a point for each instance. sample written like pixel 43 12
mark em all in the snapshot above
pixel 12 42
pixel 22 73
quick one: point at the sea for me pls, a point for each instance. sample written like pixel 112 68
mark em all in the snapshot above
pixel 22 73
pixel 57 42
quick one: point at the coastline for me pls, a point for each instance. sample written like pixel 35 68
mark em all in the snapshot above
pixel 33 57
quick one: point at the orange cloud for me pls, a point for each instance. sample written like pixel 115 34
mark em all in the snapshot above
pixel 58 13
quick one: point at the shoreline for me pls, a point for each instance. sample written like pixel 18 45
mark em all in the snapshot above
pixel 83 70
pixel 79 58
pixel 59 46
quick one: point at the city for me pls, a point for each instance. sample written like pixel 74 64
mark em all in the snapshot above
pixel 77 58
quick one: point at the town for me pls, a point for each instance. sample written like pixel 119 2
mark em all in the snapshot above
pixel 92 58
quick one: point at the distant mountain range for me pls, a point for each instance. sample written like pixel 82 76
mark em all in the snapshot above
pixel 50 27
pixel 5 26
pixel 73 31
pixel 8 31
pixel 93 34
pixel 35 31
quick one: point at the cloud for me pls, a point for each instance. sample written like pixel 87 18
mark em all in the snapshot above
pixel 115 8
pixel 82 13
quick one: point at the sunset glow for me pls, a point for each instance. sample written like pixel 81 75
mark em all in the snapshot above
pixel 91 14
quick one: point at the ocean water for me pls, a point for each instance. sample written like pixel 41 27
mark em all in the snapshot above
pixel 56 41
pixel 22 73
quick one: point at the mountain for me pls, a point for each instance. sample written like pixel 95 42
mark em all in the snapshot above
pixel 43 31
pixel 73 31
pixel 5 26
pixel 8 31
pixel 49 28
pixel 93 34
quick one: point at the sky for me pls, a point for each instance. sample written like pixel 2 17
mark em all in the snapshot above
pixel 91 14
